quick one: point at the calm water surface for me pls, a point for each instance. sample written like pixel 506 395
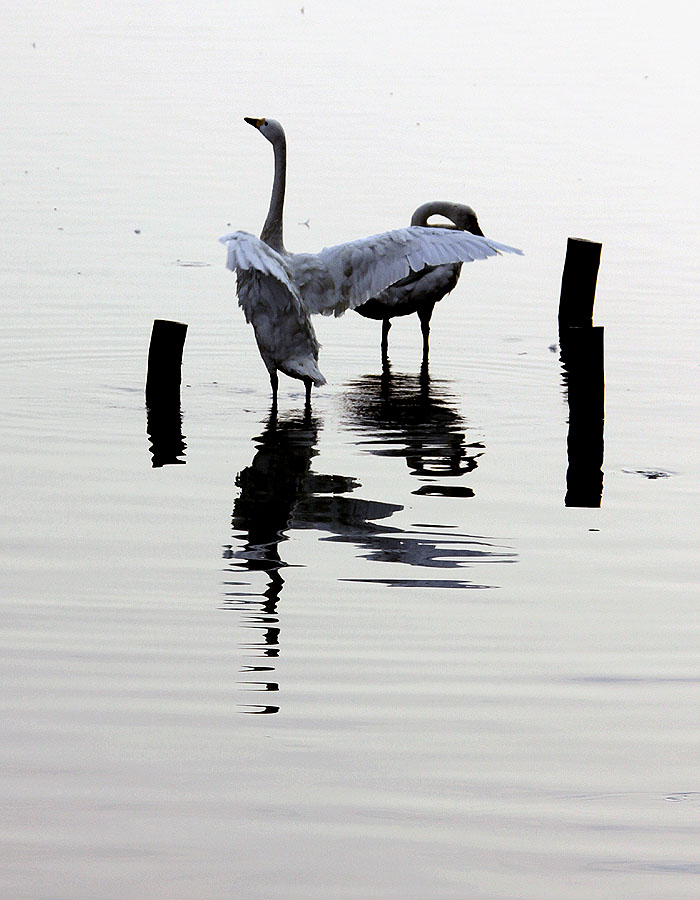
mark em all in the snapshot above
pixel 369 652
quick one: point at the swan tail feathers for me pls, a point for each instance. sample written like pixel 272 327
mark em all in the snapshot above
pixel 306 368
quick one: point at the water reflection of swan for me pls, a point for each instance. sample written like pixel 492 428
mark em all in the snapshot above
pixel 279 493
pixel 414 417
pixel 427 549
pixel 269 489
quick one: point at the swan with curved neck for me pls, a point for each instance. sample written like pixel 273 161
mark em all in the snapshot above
pixel 420 291
pixel 279 291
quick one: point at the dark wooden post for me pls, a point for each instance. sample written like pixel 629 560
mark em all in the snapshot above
pixel 165 361
pixel 578 283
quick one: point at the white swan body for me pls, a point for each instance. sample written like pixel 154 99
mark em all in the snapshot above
pixel 278 291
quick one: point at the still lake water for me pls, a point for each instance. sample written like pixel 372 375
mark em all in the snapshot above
pixel 370 653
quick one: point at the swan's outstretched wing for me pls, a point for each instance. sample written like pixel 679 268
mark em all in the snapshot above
pixel 345 276
pixel 248 255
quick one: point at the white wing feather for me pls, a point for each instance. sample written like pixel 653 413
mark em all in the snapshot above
pixel 247 253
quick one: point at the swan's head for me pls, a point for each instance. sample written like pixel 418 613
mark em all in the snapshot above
pixel 463 217
pixel 269 128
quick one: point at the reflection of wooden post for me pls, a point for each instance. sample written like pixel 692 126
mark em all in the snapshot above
pixel 578 283
pixel 582 355
pixel 164 428
pixel 165 362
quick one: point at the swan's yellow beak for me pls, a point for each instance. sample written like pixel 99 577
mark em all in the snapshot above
pixel 256 123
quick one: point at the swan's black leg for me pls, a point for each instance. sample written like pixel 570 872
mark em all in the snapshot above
pixel 386 325
pixel 424 314
pixel 307 383
pixel 274 383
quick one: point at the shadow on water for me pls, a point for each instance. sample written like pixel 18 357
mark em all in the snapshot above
pixel 414 417
pixel 583 376
pixel 279 493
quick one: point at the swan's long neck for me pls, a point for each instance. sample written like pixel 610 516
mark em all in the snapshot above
pixel 272 229
pixel 434 208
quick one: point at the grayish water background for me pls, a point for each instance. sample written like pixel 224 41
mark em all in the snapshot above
pixel 482 696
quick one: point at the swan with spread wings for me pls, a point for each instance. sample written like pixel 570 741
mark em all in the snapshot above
pixel 279 291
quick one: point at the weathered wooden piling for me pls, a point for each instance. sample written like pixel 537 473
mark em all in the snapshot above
pixel 582 355
pixel 578 283
pixel 165 362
